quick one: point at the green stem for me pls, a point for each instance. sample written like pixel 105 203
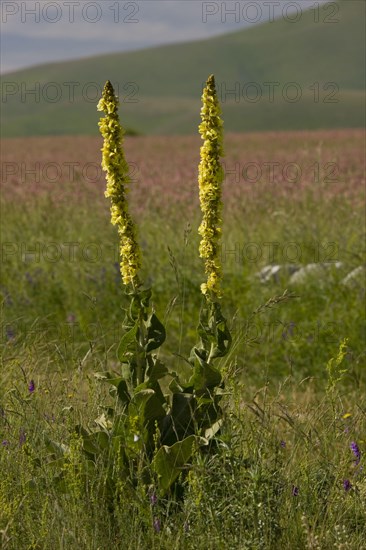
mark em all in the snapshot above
pixel 141 358
pixel 212 311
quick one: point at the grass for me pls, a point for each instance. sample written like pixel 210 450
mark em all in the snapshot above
pixel 278 478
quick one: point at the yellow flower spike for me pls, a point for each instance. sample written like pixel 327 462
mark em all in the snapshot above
pixel 114 163
pixel 210 177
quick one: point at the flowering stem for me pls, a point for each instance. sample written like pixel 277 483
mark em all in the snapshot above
pixel 118 179
pixel 210 189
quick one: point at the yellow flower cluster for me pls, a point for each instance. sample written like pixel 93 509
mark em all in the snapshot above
pixel 210 177
pixel 114 163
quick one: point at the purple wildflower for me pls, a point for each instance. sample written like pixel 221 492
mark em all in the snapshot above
pixel 22 437
pixel 356 451
pixel 5 443
pixel 283 443
pixel 153 499
pixel 31 386
pixel 347 485
pixel 295 491
pixel 288 331
pixel 10 333
pixel 157 525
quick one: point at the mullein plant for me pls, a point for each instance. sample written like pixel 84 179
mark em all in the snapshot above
pixel 145 331
pixel 213 328
pixel 153 435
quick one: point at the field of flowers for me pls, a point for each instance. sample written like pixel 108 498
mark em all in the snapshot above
pixel 284 164
pixel 288 472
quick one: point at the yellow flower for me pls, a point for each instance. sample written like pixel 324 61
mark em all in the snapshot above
pixel 210 177
pixel 114 163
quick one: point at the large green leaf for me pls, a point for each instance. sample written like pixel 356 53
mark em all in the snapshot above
pixel 140 398
pixel 122 391
pixel 58 449
pixel 157 370
pixel 105 421
pixel 148 404
pixel 213 331
pixel 153 410
pixel 109 377
pixel 155 333
pixel 212 431
pixel 169 462
pixel 223 341
pixel 204 375
pixel 179 423
pixel 118 382
pixel 123 353
pixel 95 442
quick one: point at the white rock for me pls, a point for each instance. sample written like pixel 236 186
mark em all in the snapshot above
pixel 274 272
pixel 356 277
pixel 313 270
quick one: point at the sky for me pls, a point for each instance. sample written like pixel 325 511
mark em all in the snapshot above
pixel 35 32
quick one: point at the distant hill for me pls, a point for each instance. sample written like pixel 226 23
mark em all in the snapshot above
pixel 315 70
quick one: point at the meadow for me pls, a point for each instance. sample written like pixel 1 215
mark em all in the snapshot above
pixel 288 472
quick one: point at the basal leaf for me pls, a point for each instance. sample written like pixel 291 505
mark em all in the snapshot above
pixel 169 462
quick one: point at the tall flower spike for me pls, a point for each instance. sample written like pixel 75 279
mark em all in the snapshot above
pixel 210 177
pixel 114 163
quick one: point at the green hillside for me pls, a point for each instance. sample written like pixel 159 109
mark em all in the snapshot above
pixel 160 87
